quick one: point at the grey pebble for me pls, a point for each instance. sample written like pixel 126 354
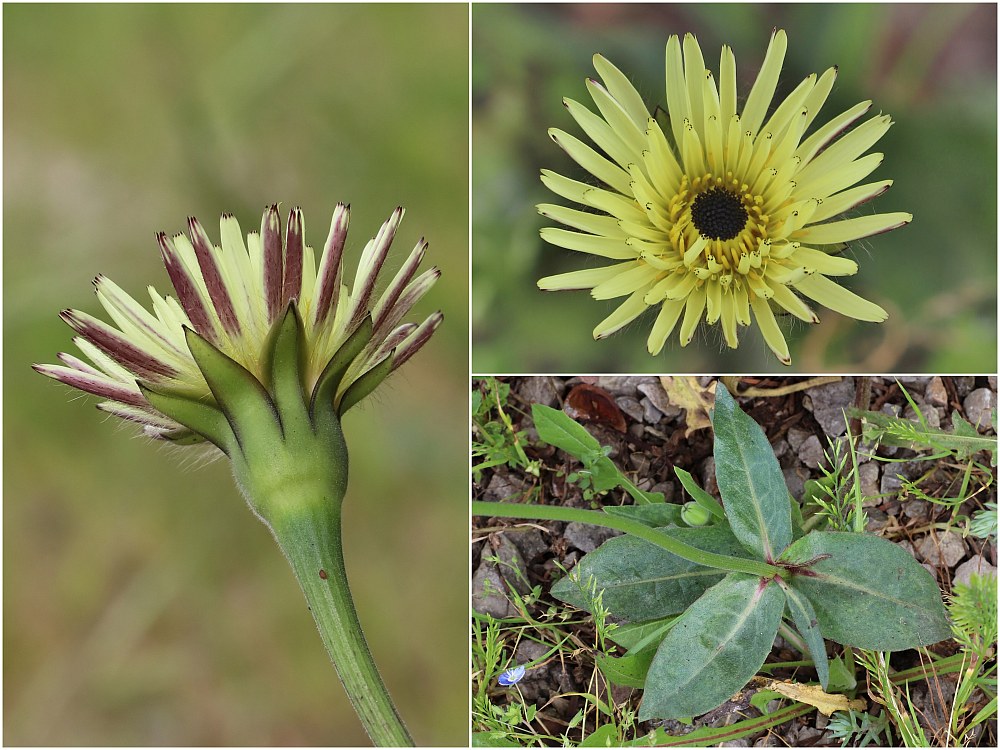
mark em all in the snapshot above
pixel 541 390
pixel 795 480
pixel 978 408
pixel 796 436
pixel 964 385
pixel 488 592
pixel 587 537
pixel 811 452
pixel 658 397
pixel 947 549
pixel 975 564
pixel 935 394
pixel 869 474
pixel 828 403
pixel 631 406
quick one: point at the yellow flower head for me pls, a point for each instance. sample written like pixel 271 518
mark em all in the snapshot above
pixel 729 211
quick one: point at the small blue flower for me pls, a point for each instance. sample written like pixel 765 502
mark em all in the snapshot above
pixel 512 676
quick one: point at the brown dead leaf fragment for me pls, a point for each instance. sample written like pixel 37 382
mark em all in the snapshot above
pixel 588 403
pixel 687 393
pixel 814 695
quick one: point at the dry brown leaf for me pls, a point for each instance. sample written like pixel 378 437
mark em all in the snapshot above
pixel 814 695
pixel 687 393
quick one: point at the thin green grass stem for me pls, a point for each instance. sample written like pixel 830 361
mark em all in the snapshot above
pixel 596 518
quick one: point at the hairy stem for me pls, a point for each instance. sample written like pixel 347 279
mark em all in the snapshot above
pixel 597 518
pixel 310 538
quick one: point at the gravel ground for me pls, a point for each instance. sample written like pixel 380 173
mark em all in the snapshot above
pixel 652 425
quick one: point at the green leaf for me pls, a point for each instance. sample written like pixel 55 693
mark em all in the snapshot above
pixel 654 514
pixel 751 483
pixel 714 649
pixel 629 670
pixel 869 592
pixel 699 495
pixel 638 636
pixel 556 428
pixel 642 581
pixel 808 626
pixel 603 473
pixel 603 736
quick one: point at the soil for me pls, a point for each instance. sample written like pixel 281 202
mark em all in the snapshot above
pixel 649 434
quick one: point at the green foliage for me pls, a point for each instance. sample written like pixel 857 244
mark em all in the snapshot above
pixel 984 522
pixel 852 588
pixel 720 641
pixel 859 729
pixel 964 441
pixel 496 441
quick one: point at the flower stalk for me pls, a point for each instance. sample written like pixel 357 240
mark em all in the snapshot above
pixel 635 528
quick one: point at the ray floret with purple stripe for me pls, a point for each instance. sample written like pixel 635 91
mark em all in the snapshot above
pixel 233 296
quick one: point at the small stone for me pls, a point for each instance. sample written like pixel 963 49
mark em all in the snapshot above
pixel 632 407
pixel 587 537
pixel 650 414
pixel 811 452
pixel 513 568
pixel 935 394
pixel 877 519
pixel 656 394
pixel 964 385
pixel 488 592
pixel 931 416
pixel 869 475
pixel 541 390
pixel 795 480
pixel 529 542
pixel 944 550
pixel 976 564
pixel 978 407
pixel 992 380
pixel 796 436
pixel 617 385
pixel 503 486
pixel 916 510
pixel 828 404
pixel 667 489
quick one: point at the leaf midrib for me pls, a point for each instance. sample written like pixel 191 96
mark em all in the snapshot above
pixel 761 526
pixel 744 616
pixel 852 585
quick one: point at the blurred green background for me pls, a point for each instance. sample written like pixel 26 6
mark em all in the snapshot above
pixel 932 67
pixel 143 603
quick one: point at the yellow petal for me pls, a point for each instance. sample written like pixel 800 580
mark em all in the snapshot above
pixel 667 318
pixel 628 311
pixel 832 295
pixel 769 327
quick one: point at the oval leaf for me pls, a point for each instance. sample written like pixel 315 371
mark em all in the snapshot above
pixel 556 428
pixel 714 649
pixel 651 514
pixel 750 481
pixel 642 581
pixel 869 592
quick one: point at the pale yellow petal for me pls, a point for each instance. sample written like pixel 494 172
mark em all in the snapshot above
pixel 628 311
pixel 787 299
pixel 605 247
pixel 603 135
pixel 586 278
pixel 830 294
pixel 607 226
pixel 815 143
pixel 848 199
pixel 847 148
pixel 852 229
pixel 692 315
pixel 628 281
pixel 763 88
pixel 769 327
pixel 824 263
pixel 622 90
pixel 838 178
pixel 666 320
pixel 603 169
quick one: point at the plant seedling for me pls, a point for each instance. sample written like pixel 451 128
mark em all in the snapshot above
pixel 730 583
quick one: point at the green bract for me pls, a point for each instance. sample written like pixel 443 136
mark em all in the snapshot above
pixel 725 587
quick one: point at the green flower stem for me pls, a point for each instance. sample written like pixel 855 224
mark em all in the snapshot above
pixel 311 542
pixel 597 518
